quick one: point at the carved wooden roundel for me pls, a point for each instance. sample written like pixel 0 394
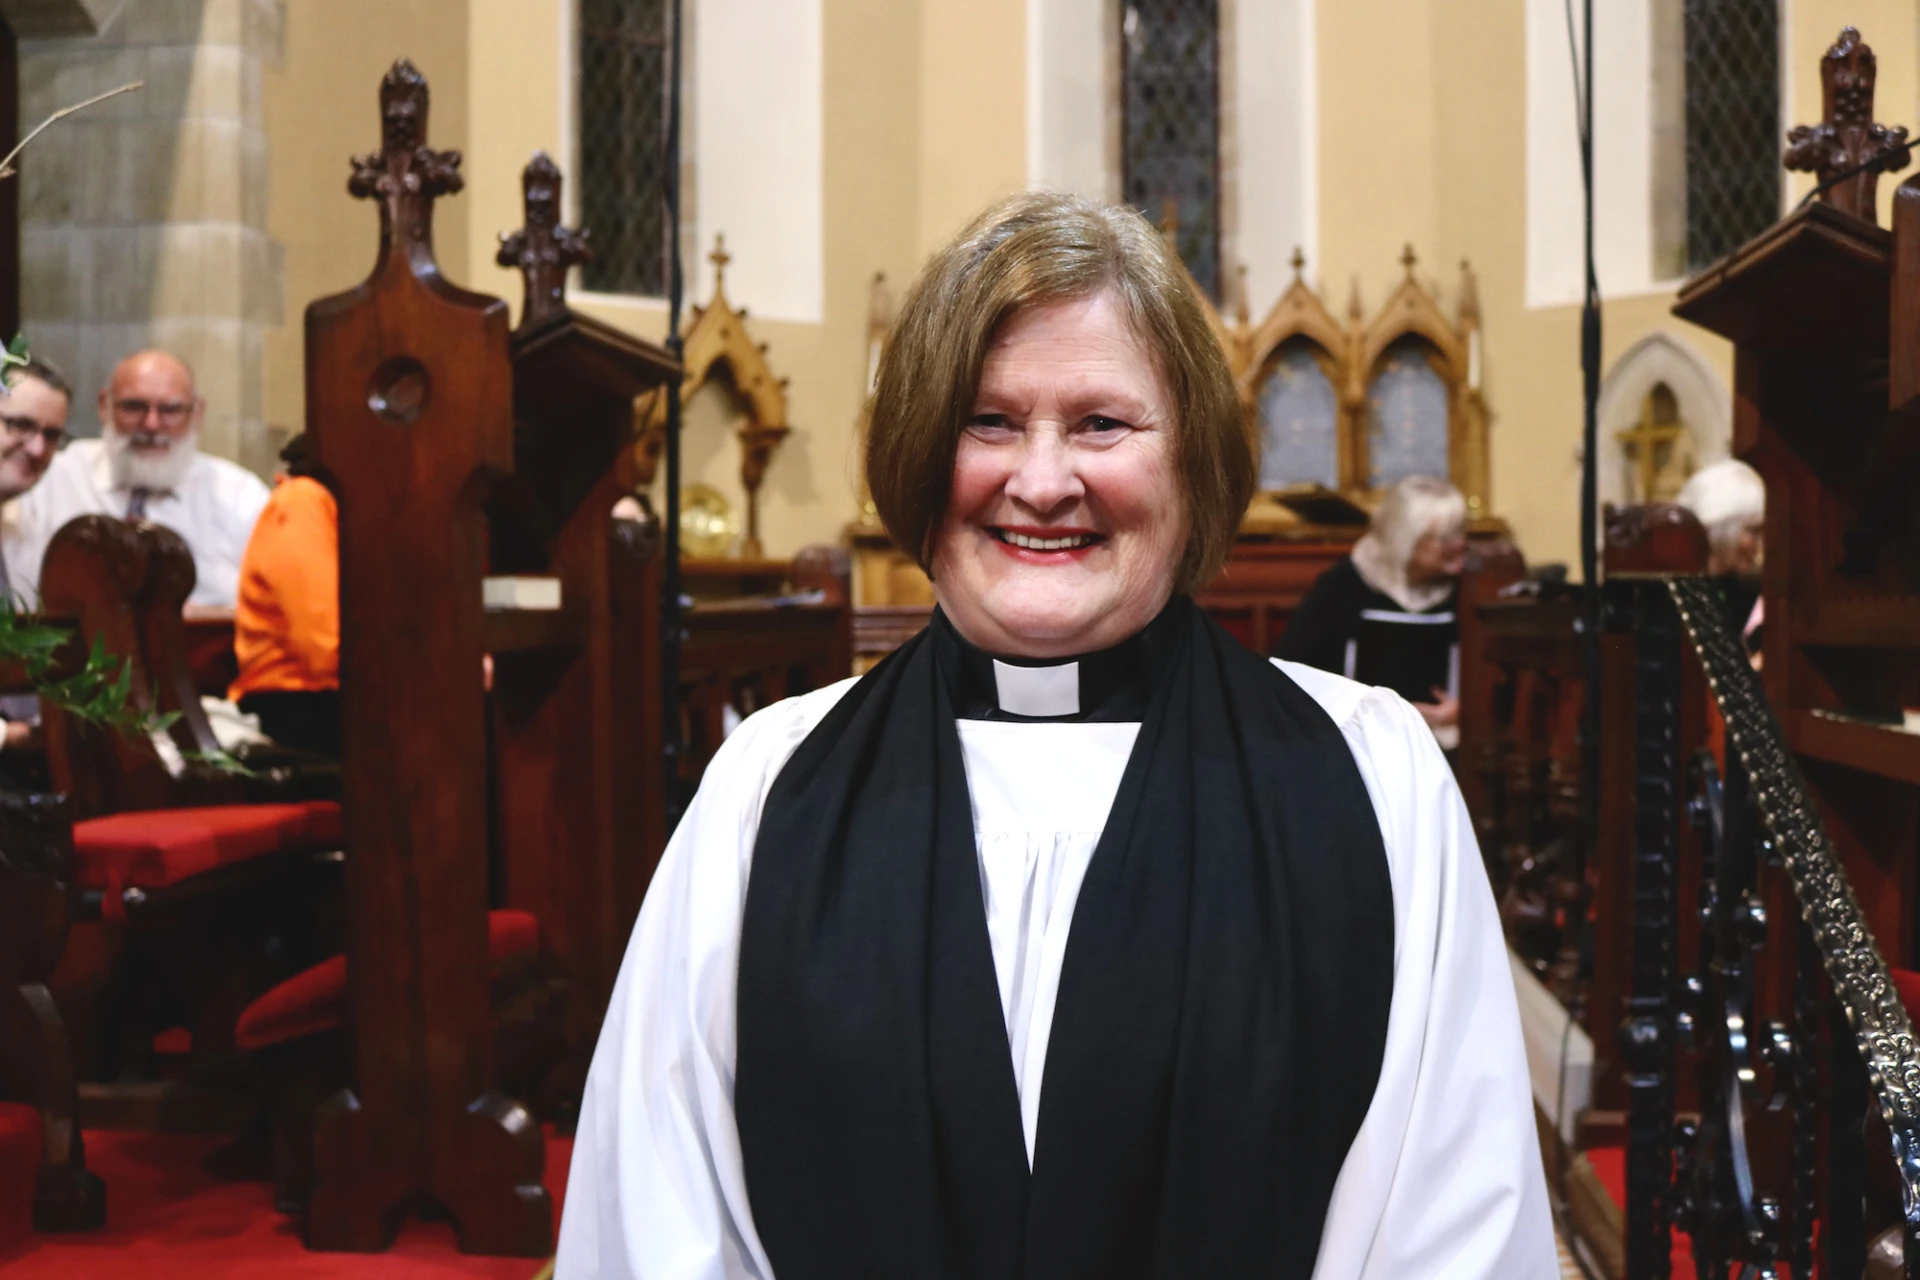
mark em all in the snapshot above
pixel 399 390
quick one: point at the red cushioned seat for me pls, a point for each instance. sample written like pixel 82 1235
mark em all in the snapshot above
pixel 159 848
pixel 310 1002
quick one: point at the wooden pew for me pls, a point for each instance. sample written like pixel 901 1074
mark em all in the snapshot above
pixel 748 651
pixel 1263 583
pixel 561 760
pixel 124 585
pixel 410 409
pixel 37 893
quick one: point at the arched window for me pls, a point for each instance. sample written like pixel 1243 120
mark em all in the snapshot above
pixel 1407 415
pixel 1299 419
pixel 623 52
pixel 1170 124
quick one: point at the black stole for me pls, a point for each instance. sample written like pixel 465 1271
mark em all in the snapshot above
pixel 1221 1017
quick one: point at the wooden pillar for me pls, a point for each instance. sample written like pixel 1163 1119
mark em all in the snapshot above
pixel 409 404
pixel 566 838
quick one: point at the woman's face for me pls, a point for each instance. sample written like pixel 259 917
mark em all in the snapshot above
pixel 1066 517
pixel 1438 556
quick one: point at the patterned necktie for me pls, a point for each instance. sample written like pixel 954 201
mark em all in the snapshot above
pixel 137 504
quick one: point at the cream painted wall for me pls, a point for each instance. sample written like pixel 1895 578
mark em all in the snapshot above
pixel 973 110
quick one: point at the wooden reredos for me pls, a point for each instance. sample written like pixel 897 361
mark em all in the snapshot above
pixel 718 344
pixel 1409 377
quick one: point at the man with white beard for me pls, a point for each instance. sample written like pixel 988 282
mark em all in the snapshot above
pixel 146 465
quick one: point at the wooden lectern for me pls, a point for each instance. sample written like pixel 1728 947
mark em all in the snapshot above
pixel 410 408
pixel 1824 314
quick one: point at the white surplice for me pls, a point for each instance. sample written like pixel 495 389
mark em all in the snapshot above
pixel 1443 1179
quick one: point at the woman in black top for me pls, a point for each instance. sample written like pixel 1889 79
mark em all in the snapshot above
pixel 1386 614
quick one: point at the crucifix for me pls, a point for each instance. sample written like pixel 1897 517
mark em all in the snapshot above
pixel 1659 448
pixel 1847 152
pixel 543 250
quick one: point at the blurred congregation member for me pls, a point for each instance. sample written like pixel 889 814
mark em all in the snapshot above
pixel 286 626
pixel 1386 615
pixel 33 426
pixel 1730 500
pixel 146 465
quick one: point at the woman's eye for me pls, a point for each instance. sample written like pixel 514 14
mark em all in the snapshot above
pixel 1099 423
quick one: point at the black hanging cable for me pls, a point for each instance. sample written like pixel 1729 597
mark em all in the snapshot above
pixel 670 630
pixel 1589 483
pixel 1576 928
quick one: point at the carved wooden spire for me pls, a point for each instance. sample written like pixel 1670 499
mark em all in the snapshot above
pixel 405 175
pixel 1847 141
pixel 543 250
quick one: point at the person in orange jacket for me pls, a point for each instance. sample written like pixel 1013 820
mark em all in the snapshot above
pixel 286 626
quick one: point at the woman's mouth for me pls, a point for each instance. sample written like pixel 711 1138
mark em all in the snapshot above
pixel 1045 540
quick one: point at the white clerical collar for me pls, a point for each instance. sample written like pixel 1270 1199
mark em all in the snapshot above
pixel 1038 691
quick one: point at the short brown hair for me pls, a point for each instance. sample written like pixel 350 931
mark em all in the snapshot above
pixel 43 371
pixel 1031 250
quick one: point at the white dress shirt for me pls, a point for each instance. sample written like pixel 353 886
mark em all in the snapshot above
pixel 213 508
pixel 1442 1180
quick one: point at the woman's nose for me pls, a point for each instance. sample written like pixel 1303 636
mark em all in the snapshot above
pixel 1044 477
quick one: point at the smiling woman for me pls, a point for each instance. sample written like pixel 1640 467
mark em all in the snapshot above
pixel 1074 939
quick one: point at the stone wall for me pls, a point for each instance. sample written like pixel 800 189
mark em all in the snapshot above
pixel 144 220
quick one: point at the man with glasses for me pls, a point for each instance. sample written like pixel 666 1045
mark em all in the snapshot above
pixel 146 465
pixel 33 426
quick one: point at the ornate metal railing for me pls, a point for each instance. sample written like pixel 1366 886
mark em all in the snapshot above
pixel 1791 1032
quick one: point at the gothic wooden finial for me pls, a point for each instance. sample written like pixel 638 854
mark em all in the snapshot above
pixel 405 175
pixel 1241 312
pixel 1847 152
pixel 719 258
pixel 1408 260
pixel 543 250
pixel 1469 294
pixel 1354 311
pixel 1299 262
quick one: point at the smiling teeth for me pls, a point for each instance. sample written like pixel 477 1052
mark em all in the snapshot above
pixel 1045 544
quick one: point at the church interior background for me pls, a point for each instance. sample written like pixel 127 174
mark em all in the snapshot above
pixel 830 140
pixel 1380 198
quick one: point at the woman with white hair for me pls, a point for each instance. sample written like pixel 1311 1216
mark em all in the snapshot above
pixel 1386 614
pixel 1730 500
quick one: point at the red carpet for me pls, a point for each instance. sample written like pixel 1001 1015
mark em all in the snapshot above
pixel 168 1218
pixel 1610 1163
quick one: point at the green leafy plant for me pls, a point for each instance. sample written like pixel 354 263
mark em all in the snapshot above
pixel 99 691
pixel 14 355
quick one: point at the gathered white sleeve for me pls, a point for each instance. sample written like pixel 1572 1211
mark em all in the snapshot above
pixel 656 1190
pixel 1444 1178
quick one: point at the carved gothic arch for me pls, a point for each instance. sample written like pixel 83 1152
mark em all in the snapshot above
pixel 718 343
pixel 1704 404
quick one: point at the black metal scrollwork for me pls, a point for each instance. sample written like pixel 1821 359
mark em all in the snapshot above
pixel 1721 1204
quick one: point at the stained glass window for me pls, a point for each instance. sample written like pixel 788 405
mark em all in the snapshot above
pixel 621 178
pixel 1406 415
pixel 1170 123
pixel 1733 124
pixel 1299 421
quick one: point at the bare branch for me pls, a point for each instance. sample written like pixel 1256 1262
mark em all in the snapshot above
pixel 6 166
